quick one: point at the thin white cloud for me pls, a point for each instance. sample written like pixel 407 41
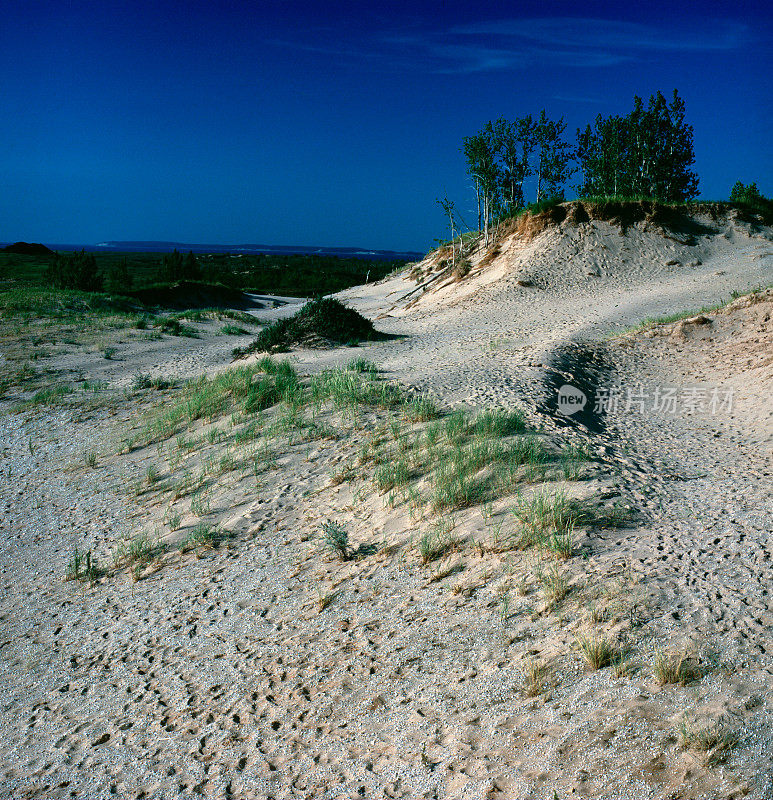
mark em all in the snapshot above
pixel 566 41
pixel 513 44
pixel 591 33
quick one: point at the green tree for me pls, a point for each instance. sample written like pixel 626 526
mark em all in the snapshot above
pixel 76 270
pixel 119 279
pixel 480 153
pixel 553 157
pixel 514 144
pixel 175 267
pixel 745 193
pixel 647 153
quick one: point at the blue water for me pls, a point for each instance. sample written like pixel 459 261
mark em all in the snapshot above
pixel 237 249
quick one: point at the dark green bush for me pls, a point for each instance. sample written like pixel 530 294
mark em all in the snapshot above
pixel 320 322
pixel 76 270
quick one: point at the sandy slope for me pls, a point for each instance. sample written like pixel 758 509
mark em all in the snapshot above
pixel 219 675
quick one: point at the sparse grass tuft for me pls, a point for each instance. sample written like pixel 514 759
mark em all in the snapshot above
pixel 325 599
pixel 82 567
pixel 203 535
pixel 136 551
pixel 421 409
pixel 362 365
pixel 90 458
pixel 675 668
pixel 498 422
pixel 534 678
pixel 437 542
pixel 144 380
pixel 715 739
pixel 555 584
pixel 599 652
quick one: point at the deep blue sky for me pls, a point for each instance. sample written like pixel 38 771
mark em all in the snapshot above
pixel 337 123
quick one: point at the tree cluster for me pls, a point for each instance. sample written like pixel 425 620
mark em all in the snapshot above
pixel 76 270
pixel 647 153
pixel 176 267
pixel 505 153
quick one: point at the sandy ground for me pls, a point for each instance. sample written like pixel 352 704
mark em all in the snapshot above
pixel 218 674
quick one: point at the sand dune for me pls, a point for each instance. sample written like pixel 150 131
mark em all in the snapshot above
pixel 267 668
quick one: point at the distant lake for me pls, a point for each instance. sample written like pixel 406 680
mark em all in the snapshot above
pixel 239 249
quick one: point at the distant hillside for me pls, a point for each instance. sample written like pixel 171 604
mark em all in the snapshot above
pixel 28 249
pixel 258 249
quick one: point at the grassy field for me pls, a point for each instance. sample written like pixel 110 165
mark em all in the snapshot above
pixel 295 275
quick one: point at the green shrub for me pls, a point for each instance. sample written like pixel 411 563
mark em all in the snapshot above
pixel 323 321
pixel 76 270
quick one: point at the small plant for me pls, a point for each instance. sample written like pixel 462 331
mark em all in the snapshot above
pixel 599 652
pixel 108 352
pixel 555 585
pixel 325 599
pixel 388 476
pixel 336 540
pixel 363 365
pixel 90 458
pixel 715 739
pixel 499 423
pixel 233 330
pixel 534 678
pixel 421 409
pixel 202 536
pixel 546 511
pixel 151 474
pixel 675 668
pixel 173 521
pixel 437 542
pixel 144 380
pixel 136 551
pixel 561 543
pixel 82 567
pixel 622 667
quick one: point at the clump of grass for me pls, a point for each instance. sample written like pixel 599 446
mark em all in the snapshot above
pixel 623 667
pixel 437 541
pixel 715 739
pixel 136 551
pixel 90 458
pixel 675 668
pixel 347 389
pixel 82 567
pixel 572 458
pixel 324 599
pixel 498 422
pixel 391 475
pixel 362 365
pixel 202 535
pixel 555 585
pixel 561 543
pixel 233 330
pixel 108 352
pixel 421 409
pixel 144 380
pixel 174 327
pixel 599 652
pixel 534 678
pixel 51 395
pixel 335 539
pixel 548 519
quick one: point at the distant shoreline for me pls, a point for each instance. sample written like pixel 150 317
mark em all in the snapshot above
pixel 238 249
